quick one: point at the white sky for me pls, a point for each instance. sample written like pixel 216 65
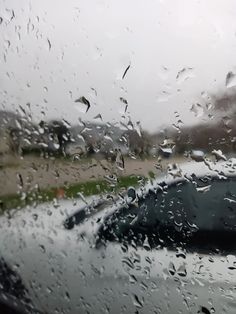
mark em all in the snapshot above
pixel 92 43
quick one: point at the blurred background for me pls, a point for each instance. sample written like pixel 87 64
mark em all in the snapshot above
pixel 97 96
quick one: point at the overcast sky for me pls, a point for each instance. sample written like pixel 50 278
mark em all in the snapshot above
pixel 53 52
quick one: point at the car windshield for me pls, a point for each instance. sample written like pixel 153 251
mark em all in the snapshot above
pixel 117 156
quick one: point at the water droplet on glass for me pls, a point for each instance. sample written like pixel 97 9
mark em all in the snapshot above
pixel 204 310
pixel 166 151
pixel 204 189
pixel 163 73
pixel 120 163
pixel 9 15
pixel 123 108
pixel 197 109
pixel 94 90
pixel 132 279
pixel 42 248
pixel 35 217
pixel 172 269
pixel 174 170
pixel 219 155
pixel 7 44
pixel 163 96
pixel 184 74
pixel 82 104
pixel 146 244
pixel 197 155
pixel 49 44
pixel 182 272
pixel 98 117
pixel 230 80
pixel 125 72
pixel 124 100
pixel 137 302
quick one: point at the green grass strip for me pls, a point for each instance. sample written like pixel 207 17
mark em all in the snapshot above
pixel 71 191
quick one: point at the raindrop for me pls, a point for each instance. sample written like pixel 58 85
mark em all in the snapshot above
pixel 98 116
pixel 126 70
pixel 18 124
pixel 49 44
pixel 137 302
pixel 172 269
pixel 23 196
pixel 127 261
pixel 204 189
pixel 120 163
pixel 204 310
pixel 209 106
pixel 130 125
pixel 124 100
pixel 148 260
pixel 232 267
pixel 9 15
pixel 230 80
pixel 42 248
pixel 1 20
pixel 67 296
pixel 182 272
pixel 124 247
pixel 146 271
pixel 184 74
pixel 35 217
pixel 205 96
pixel 166 151
pixel 181 254
pixel 20 180
pixel 146 244
pixel 163 96
pixel 82 100
pixel 95 92
pixel 218 155
pixel 174 170
pixel 144 286
pixel 123 108
pixel 7 44
pixel 230 200
pixel 163 73
pixel 197 110
pixel 132 279
pixel 197 155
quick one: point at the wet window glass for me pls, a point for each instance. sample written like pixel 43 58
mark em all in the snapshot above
pixel 117 156
pixel 189 215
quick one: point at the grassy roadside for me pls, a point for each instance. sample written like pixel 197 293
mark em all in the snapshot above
pixel 70 191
